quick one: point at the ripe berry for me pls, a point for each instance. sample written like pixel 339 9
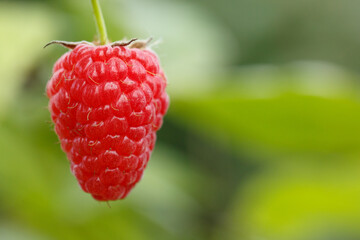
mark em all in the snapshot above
pixel 107 102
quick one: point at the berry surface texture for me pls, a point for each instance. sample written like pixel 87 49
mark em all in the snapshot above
pixel 107 103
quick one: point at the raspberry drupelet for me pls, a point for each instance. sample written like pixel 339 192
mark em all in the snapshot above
pixel 107 102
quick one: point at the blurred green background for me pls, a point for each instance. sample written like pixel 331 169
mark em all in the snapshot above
pixel 262 138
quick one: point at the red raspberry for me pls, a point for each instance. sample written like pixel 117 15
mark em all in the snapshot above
pixel 107 102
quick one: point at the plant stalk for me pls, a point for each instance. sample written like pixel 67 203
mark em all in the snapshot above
pixel 100 23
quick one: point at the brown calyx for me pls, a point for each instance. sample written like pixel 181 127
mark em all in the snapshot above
pixel 133 43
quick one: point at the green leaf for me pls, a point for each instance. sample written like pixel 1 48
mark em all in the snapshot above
pixel 299 201
pixel 287 114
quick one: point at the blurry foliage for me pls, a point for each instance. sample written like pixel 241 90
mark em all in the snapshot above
pixel 281 30
pixel 276 118
pixel 306 201
pixel 20 51
pixel 257 152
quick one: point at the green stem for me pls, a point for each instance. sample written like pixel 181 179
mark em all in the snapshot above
pixel 100 23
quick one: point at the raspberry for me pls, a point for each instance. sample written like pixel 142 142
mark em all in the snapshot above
pixel 107 102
